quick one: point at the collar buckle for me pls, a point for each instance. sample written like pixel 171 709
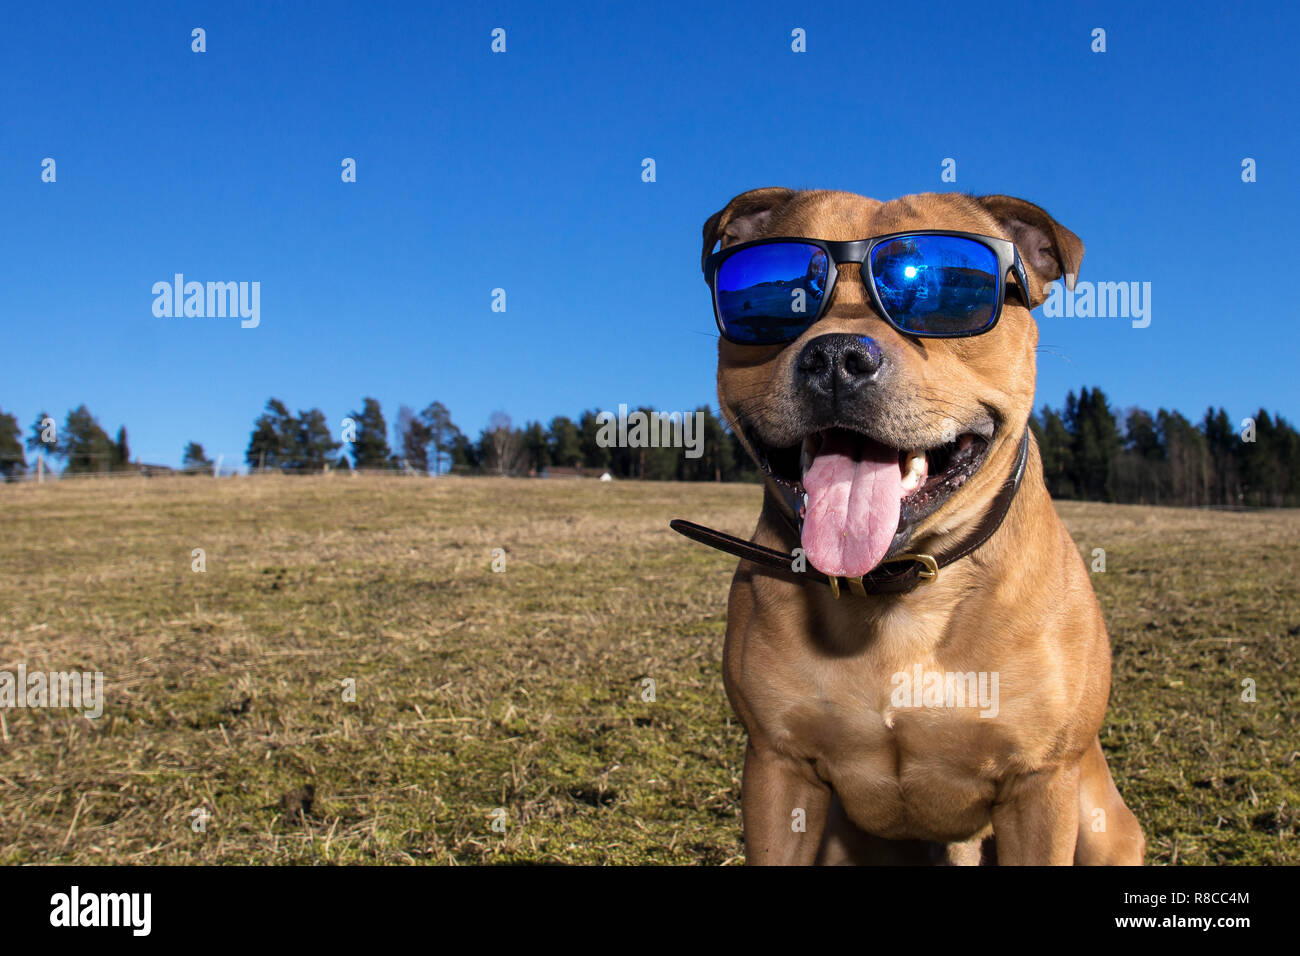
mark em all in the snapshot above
pixel 927 574
pixel 855 586
pixel 930 567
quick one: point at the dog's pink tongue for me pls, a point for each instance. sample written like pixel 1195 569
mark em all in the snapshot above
pixel 854 489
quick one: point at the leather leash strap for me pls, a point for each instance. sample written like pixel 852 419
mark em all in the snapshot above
pixel 896 575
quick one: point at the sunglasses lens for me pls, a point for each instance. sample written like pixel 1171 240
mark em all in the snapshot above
pixel 937 285
pixel 770 293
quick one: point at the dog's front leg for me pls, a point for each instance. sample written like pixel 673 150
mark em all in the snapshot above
pixel 784 806
pixel 1036 819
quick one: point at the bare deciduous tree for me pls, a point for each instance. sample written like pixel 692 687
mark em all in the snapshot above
pixel 503 445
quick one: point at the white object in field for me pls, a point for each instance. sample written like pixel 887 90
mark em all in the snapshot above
pixel 606 477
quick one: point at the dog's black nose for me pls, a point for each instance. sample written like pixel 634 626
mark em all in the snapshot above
pixel 838 364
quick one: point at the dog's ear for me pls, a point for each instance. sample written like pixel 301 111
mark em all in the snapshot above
pixel 1047 248
pixel 742 219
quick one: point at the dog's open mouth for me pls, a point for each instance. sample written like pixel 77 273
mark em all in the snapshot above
pixel 855 496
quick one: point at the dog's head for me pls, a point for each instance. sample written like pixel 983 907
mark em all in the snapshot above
pixel 877 439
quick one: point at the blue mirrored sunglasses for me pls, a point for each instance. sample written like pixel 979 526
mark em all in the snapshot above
pixel 928 283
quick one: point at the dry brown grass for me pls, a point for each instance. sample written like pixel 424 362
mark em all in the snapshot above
pixel 522 690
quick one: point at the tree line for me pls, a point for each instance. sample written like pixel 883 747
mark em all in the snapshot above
pixel 429 441
pixel 1090 453
pixel 80 443
pixel 1089 450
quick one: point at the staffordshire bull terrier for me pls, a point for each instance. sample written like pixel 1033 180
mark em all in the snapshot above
pixel 913 644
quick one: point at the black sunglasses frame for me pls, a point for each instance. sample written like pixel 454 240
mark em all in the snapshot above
pixel 858 251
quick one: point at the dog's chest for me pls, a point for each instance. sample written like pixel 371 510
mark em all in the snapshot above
pixel 912 745
pixel 901 769
pixel 905 766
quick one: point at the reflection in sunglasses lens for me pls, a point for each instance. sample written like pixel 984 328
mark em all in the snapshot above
pixel 771 292
pixel 936 284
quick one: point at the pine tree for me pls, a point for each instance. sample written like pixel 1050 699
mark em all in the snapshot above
pixel 413 437
pixel 1288 451
pixel 1188 457
pixel 314 447
pixel 84 444
pixel 194 460
pixel 1055 448
pixel 370 449
pixel 121 451
pixel 1140 467
pixel 44 436
pixel 564 445
pixel 1225 457
pixel 1095 442
pixel 536 447
pixel 1261 470
pixel 13 463
pixel 463 453
pixel 272 443
pixel 593 455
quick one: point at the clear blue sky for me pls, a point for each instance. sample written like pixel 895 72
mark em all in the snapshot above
pixel 523 171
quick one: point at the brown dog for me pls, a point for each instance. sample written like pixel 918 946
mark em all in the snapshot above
pixel 862 746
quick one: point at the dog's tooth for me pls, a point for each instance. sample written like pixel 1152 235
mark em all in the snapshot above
pixel 914 471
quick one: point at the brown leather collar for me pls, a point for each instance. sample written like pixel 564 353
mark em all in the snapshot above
pixel 896 575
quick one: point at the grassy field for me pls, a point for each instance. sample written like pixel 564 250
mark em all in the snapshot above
pixel 521 691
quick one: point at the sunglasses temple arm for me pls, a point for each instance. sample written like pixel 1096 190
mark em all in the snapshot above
pixel 1022 278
